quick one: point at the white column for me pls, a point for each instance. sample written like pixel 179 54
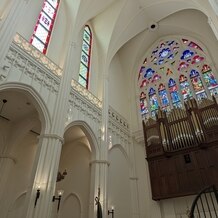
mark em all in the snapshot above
pixel 45 176
pixel 48 161
pixel 8 25
pixel 103 157
pixel 6 164
pixel 99 171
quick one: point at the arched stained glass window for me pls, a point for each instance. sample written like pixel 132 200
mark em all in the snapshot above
pixel 85 57
pixel 44 25
pixel 210 80
pixel 176 60
pixel 153 101
pixel 197 84
pixel 173 89
pixel 185 87
pixel 163 97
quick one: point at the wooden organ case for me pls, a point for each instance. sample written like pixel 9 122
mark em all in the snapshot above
pixel 182 149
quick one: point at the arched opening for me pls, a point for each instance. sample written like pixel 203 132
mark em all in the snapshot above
pixel 77 153
pixel 20 126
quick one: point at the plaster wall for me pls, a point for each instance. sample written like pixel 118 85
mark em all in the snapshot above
pixel 75 158
pixel 119 194
pixel 118 93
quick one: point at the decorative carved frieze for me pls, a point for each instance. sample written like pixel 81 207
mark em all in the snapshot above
pixel 84 105
pixel 88 95
pixel 23 63
pixel 36 54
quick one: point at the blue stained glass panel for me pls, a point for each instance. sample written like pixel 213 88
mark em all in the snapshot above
pixel 163 98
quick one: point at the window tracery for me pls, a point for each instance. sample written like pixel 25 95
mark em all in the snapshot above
pixel 174 71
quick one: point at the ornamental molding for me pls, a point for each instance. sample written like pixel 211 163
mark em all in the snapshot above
pixel 119 132
pixel 100 162
pixel 52 136
pixel 84 105
pixel 86 94
pixel 19 59
pixel 36 54
pixel 115 117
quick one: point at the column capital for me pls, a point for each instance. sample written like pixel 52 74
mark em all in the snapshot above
pixel 100 162
pixel 53 136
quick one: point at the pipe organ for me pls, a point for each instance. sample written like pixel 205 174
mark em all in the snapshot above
pixel 182 149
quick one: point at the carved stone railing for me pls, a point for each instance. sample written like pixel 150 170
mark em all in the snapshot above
pixel 119 132
pixel 88 95
pixel 115 117
pixel 36 54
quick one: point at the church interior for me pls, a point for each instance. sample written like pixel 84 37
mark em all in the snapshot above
pixel 118 125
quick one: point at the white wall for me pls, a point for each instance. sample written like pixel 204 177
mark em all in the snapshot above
pixel 75 158
pixel 118 95
pixel 18 177
pixel 119 193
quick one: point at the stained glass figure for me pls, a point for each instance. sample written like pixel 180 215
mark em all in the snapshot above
pixel 163 97
pixel 173 89
pixel 210 80
pixel 85 57
pixel 143 104
pixel 153 101
pixel 185 87
pixel 197 84
pixel 44 25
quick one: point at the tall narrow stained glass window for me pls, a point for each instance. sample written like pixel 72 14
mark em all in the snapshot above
pixel 173 89
pixel 85 57
pixel 210 80
pixel 44 25
pixel 172 72
pixel 185 88
pixel 153 101
pixel 163 97
pixel 197 84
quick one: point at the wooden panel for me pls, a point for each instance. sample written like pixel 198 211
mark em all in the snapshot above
pixel 183 173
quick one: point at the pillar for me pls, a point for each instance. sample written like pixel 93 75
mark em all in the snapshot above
pixel 8 25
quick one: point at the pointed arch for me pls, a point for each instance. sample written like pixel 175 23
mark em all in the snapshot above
pixel 171 62
pixel 38 102
pixel 89 134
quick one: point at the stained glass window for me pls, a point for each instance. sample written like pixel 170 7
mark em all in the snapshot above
pixel 163 97
pixel 85 57
pixel 143 104
pixel 44 25
pixel 197 84
pixel 173 89
pixel 153 101
pixel 173 71
pixel 185 87
pixel 210 80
